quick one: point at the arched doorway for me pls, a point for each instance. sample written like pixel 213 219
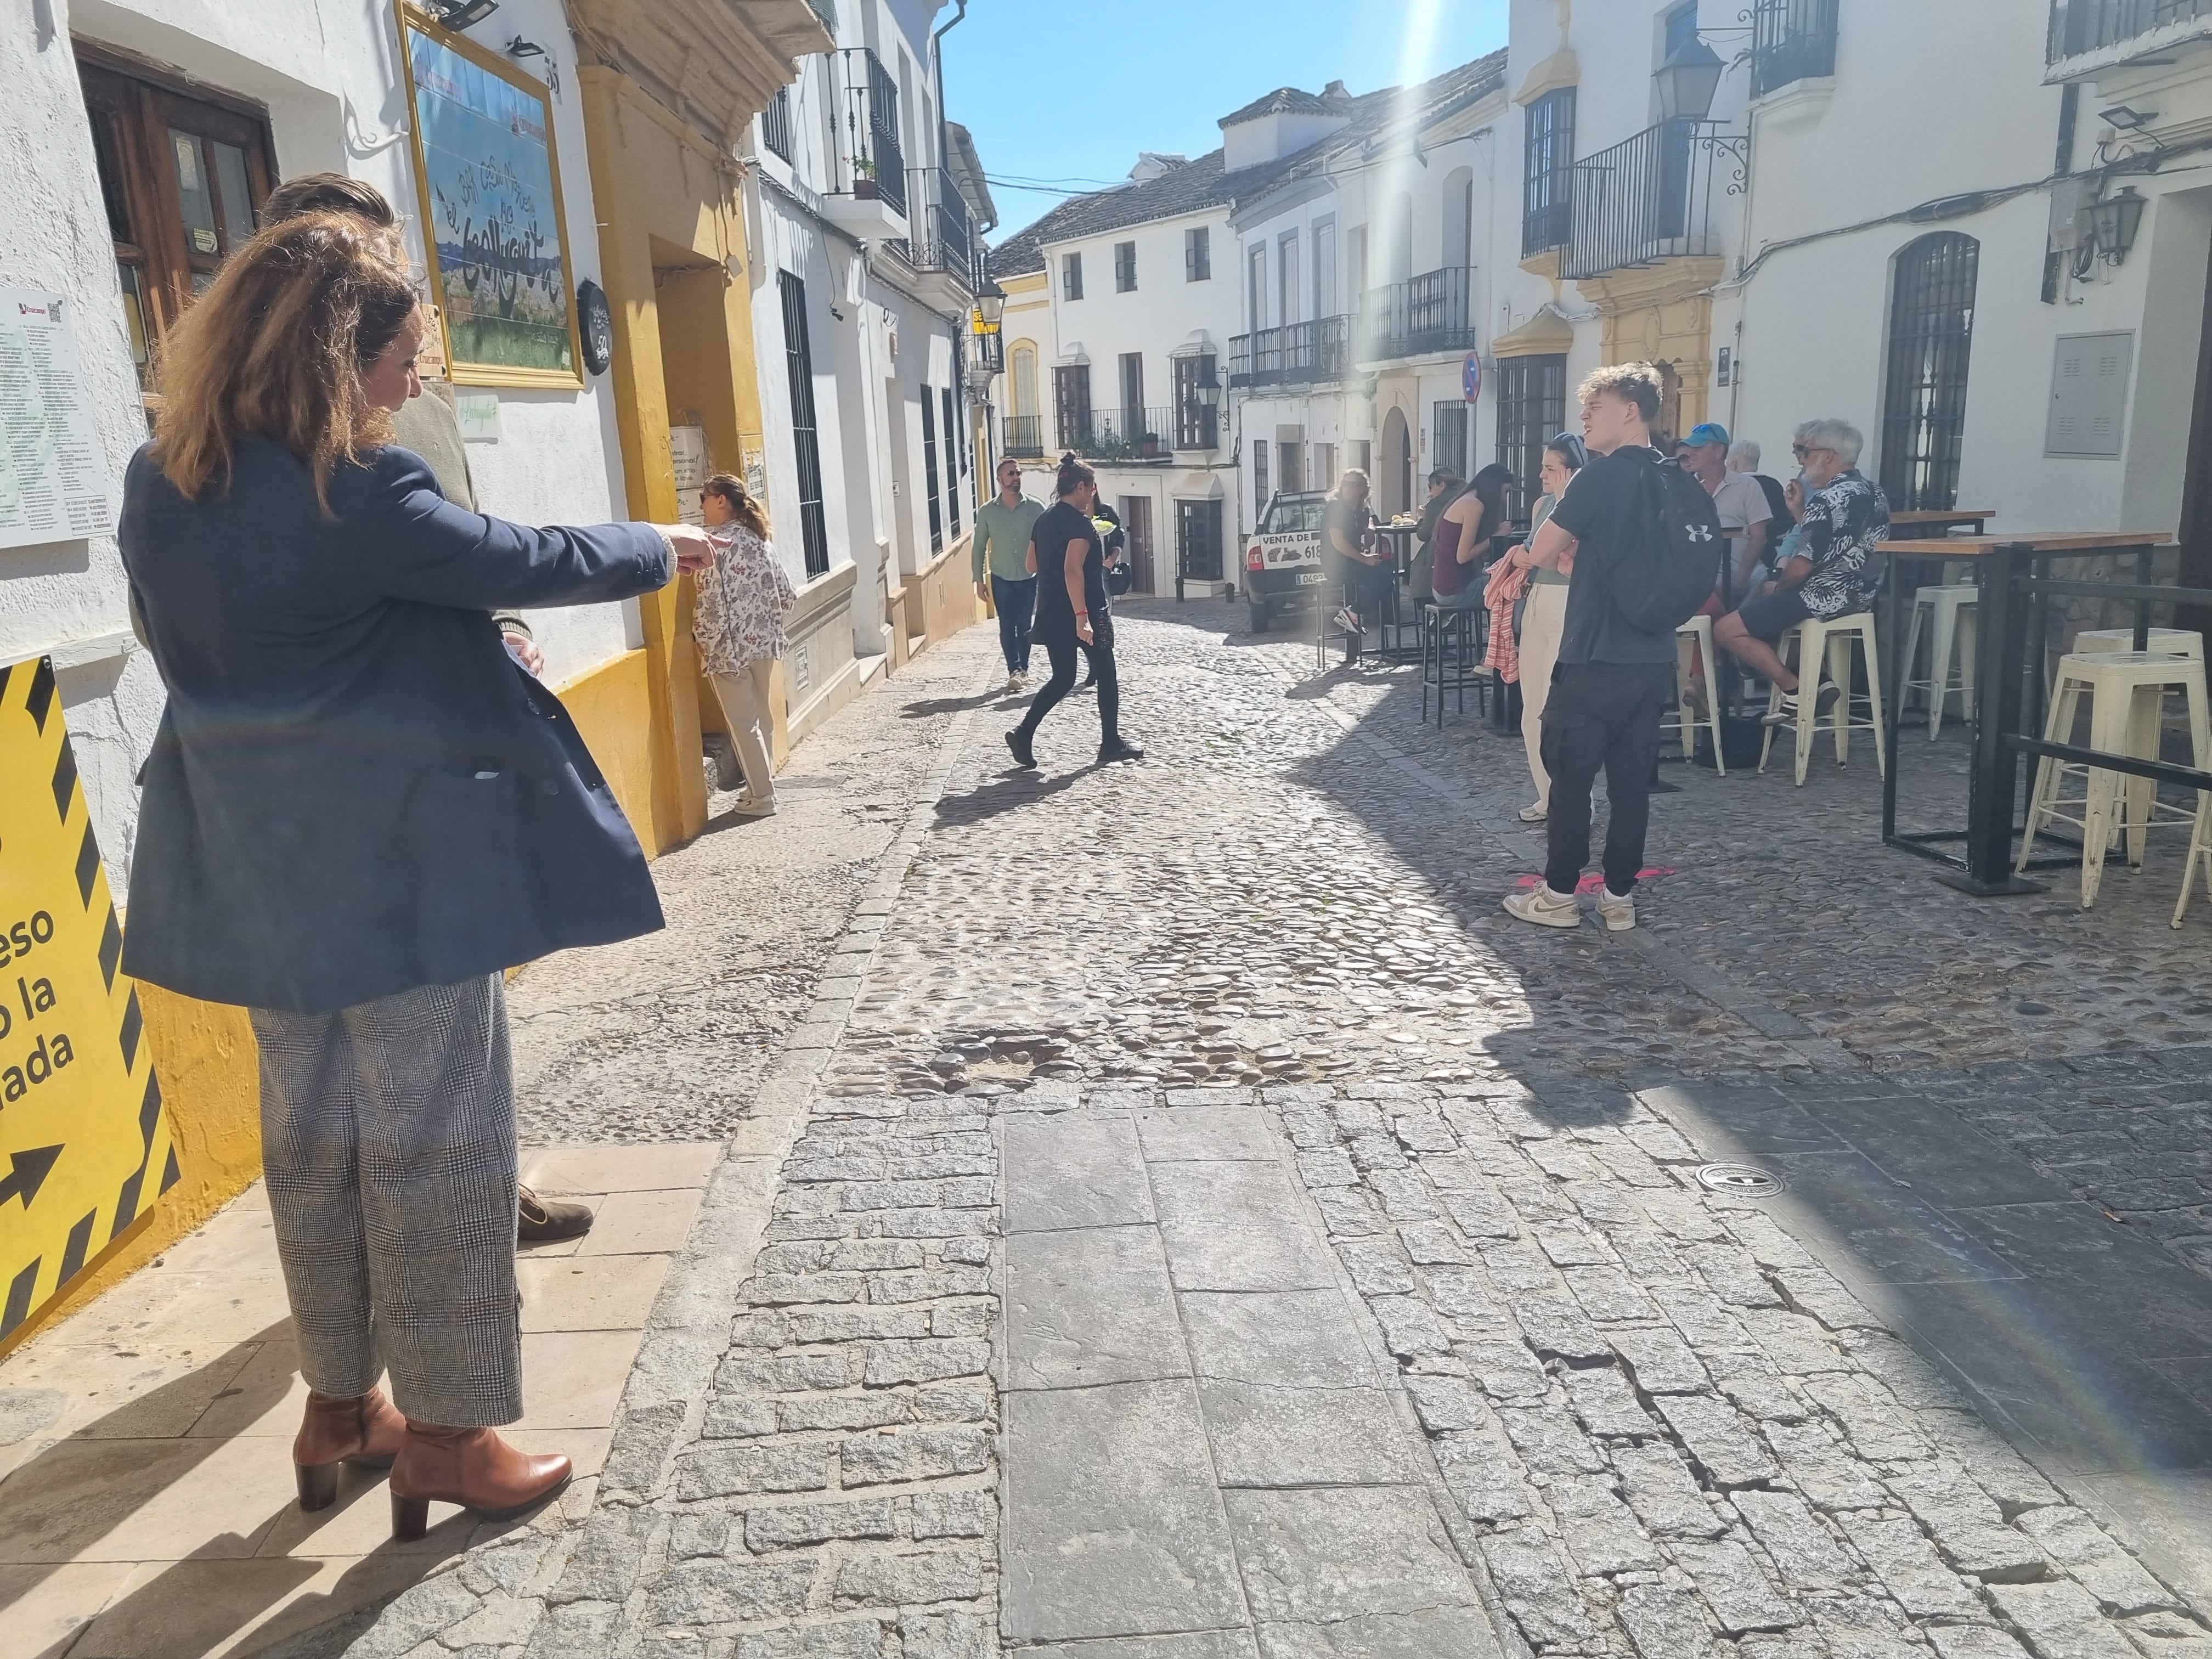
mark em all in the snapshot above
pixel 1395 489
pixel 1931 335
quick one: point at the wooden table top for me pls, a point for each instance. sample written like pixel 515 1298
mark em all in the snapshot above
pixel 2060 541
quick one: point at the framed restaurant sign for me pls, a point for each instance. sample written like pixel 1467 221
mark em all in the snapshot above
pixel 488 179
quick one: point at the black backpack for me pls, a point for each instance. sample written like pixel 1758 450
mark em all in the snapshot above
pixel 1673 556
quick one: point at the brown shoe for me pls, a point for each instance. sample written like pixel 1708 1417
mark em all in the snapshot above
pixel 541 1222
pixel 470 1466
pixel 365 1431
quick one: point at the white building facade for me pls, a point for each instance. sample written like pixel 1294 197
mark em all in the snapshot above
pixel 866 209
pixel 1118 311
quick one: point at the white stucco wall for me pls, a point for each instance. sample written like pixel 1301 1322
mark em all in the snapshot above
pixel 327 72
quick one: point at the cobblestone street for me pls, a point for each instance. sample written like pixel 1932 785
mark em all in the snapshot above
pixel 1188 1220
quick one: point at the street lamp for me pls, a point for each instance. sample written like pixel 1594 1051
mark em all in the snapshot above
pixel 2114 222
pixel 990 302
pixel 1688 80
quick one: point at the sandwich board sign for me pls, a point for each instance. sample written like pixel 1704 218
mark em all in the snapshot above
pixel 84 1146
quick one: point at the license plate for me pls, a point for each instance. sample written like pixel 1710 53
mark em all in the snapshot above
pixel 1311 579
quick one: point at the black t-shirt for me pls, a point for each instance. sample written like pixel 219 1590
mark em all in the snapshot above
pixel 1599 508
pixel 1349 519
pixel 1058 524
pixel 1778 505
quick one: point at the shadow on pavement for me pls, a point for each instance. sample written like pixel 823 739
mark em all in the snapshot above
pixel 1010 791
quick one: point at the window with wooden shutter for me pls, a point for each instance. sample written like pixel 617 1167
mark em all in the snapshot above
pixel 182 176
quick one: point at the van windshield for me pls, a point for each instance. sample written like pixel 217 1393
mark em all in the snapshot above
pixel 1288 515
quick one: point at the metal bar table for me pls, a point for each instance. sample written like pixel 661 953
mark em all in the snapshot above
pixel 2002 693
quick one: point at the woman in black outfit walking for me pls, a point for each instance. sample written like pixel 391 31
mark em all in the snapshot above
pixel 1072 611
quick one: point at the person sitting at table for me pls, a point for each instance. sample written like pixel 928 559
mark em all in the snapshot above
pixel 1356 557
pixel 1833 571
pixel 1443 487
pixel 1463 535
pixel 1743 456
pixel 1744 515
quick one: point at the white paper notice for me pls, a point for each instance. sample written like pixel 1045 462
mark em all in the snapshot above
pixel 53 477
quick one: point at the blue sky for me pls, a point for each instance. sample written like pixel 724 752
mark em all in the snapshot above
pixel 1069 97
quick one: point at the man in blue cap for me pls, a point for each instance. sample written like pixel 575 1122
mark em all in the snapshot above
pixel 1744 515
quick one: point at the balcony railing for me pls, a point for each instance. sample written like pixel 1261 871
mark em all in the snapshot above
pixel 869 161
pixel 1428 314
pixel 1302 354
pixel 1791 41
pixel 1023 436
pixel 1123 435
pixel 2080 26
pixel 943 237
pixel 1651 198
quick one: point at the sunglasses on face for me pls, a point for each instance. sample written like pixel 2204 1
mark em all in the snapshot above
pixel 1803 450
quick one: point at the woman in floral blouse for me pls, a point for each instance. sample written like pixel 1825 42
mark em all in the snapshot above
pixel 739 623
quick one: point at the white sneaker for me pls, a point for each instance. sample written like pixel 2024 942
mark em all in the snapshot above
pixel 1616 911
pixel 1014 682
pixel 1535 813
pixel 1546 909
pixel 747 807
pixel 1345 619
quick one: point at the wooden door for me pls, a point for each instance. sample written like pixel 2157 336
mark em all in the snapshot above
pixel 1137 520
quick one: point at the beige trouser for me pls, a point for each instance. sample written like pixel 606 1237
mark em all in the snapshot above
pixel 1542 622
pixel 743 697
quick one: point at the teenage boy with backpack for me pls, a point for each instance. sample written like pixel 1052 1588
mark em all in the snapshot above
pixel 1647 541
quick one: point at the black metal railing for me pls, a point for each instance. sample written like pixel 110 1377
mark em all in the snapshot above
pixel 1023 436
pixel 1303 354
pixel 1121 435
pixel 1197 426
pixel 2080 26
pixel 1790 40
pixel 776 124
pixel 1651 198
pixel 1427 313
pixel 869 161
pixel 943 237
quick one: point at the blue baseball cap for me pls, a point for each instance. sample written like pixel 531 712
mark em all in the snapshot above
pixel 1709 432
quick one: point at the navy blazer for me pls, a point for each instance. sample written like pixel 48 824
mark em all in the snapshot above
pixel 355 790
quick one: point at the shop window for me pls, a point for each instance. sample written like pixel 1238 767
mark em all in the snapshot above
pixel 181 177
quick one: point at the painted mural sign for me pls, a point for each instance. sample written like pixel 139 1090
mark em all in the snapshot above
pixel 84 1144
pixel 489 183
pixel 53 477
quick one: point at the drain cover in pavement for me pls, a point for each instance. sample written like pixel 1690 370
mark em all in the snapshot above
pixel 1744 1179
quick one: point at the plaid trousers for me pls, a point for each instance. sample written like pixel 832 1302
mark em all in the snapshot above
pixel 387 1141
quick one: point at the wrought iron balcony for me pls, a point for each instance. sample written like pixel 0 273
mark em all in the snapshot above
pixel 942 237
pixel 1023 436
pixel 1302 354
pixel 2086 26
pixel 1426 314
pixel 1791 41
pixel 869 165
pixel 1121 435
pixel 1651 198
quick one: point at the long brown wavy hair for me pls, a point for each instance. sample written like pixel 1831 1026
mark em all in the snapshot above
pixel 739 500
pixel 275 348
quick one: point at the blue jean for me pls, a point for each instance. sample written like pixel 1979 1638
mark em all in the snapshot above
pixel 1016 607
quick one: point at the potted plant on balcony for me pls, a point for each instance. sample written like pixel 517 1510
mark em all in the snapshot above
pixel 1148 446
pixel 864 178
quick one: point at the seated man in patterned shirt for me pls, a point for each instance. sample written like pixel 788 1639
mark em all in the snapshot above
pixel 1835 572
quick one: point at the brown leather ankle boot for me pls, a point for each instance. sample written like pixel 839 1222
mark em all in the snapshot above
pixel 470 1467
pixel 365 1431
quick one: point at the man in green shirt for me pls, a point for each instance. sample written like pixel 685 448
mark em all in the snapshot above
pixel 1002 552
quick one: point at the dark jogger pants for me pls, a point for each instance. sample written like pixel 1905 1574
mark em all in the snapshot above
pixel 1601 715
pixel 1062 652
pixel 1016 603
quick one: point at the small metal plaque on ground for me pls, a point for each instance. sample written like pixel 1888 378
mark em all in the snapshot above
pixel 1742 1180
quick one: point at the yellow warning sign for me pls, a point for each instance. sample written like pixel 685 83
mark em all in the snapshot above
pixel 84 1146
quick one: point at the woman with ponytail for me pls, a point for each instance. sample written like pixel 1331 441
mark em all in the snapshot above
pixel 1069 559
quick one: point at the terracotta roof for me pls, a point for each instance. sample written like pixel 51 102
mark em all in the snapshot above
pixel 1197 185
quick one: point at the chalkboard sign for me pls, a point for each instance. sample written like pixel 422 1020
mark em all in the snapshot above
pixel 488 179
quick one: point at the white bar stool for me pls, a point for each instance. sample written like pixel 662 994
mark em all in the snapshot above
pixel 2126 691
pixel 2200 849
pixel 1951 613
pixel 1816 645
pixel 1691 638
pixel 2169 641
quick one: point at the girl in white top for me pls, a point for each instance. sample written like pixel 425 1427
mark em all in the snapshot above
pixel 1543 619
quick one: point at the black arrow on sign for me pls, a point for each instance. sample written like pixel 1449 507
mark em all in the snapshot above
pixel 32 1168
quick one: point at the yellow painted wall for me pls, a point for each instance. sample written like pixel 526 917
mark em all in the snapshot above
pixel 612 707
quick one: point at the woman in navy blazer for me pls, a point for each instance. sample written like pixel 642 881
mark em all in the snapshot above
pixel 357 812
